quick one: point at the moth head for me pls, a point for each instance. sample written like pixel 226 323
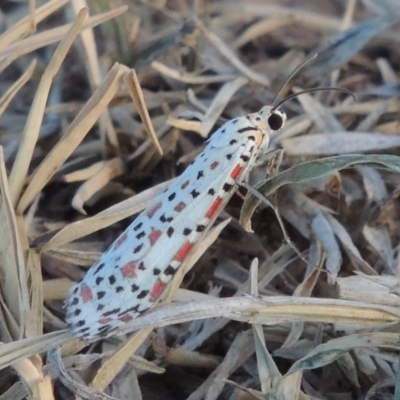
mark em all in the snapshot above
pixel 274 117
pixel 276 120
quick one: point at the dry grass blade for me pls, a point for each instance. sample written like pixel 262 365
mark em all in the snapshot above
pixel 240 350
pixel 22 27
pixel 288 387
pixel 323 231
pixel 38 385
pixel 32 127
pixel 84 392
pixel 164 42
pixel 40 40
pixel 110 170
pixel 316 20
pixel 83 174
pixel 94 72
pixel 328 352
pixel 182 357
pixel 266 367
pixel 343 46
pixel 107 217
pixel 73 135
pixel 263 310
pixel 12 267
pixel 322 118
pixel 270 311
pixel 89 45
pixel 339 143
pixel 164 128
pixel 214 111
pixel 114 365
pixel 351 250
pixel 21 349
pixel 376 289
pixel 132 82
pixel 34 320
pixel 261 28
pixel 232 57
pixel 17 85
pixel 189 78
pixel 56 289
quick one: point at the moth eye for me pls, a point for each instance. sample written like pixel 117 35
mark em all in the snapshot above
pixel 275 121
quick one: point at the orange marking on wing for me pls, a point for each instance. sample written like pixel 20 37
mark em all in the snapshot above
pixel 104 321
pixel 153 210
pixel 183 251
pixel 214 165
pixel 86 293
pixel 158 288
pixel 154 235
pixel 121 239
pixel 126 318
pixel 129 270
pixel 180 206
pixel 214 207
pixel 236 171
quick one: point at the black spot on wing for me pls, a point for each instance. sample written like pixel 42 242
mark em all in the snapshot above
pixel 227 187
pixel 141 266
pixel 140 235
pixel 170 270
pixel 99 268
pixel 170 231
pixel 111 312
pixel 134 309
pixel 138 226
pixel 200 228
pixel 187 231
pixel 247 129
pixel 74 301
pixel 134 288
pixel 138 248
pixel 194 193
pixel 142 294
pixel 164 219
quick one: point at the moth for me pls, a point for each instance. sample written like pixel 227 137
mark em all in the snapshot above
pixel 132 274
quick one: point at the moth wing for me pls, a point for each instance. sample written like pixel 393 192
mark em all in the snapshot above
pixel 120 285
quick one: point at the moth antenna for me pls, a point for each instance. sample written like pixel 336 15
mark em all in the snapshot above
pixel 290 77
pixel 313 90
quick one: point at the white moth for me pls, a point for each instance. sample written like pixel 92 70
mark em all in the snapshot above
pixel 132 274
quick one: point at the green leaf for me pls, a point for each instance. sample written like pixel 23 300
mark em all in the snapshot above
pixel 313 170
